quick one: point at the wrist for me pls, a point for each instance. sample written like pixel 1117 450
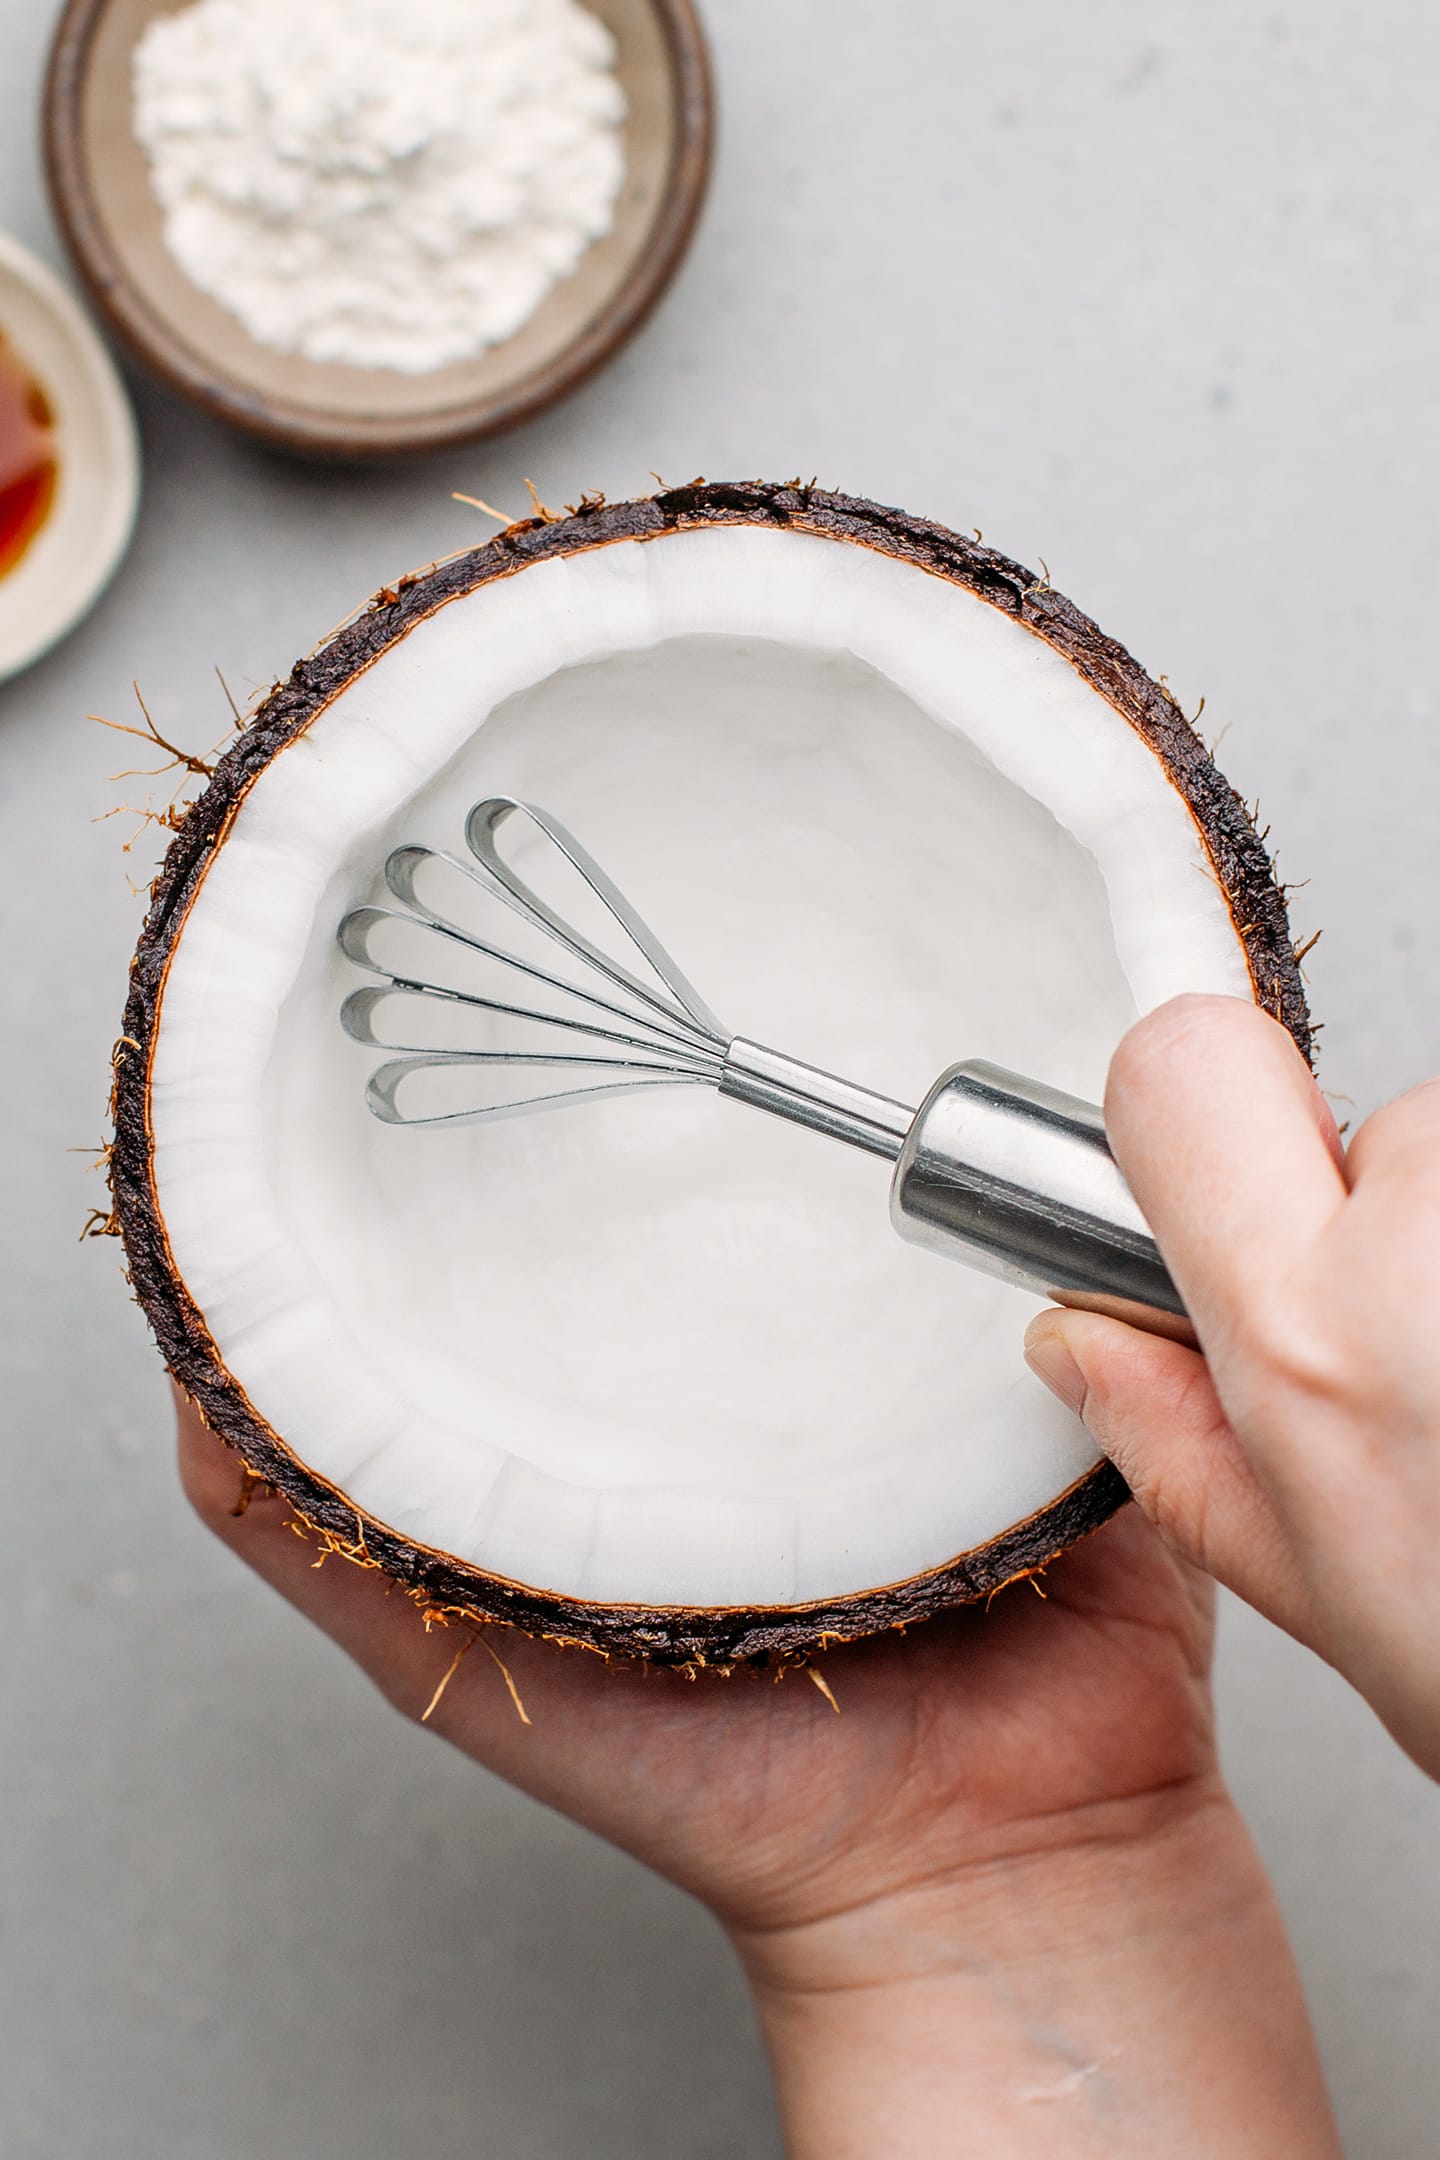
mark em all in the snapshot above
pixel 1046 1889
pixel 1108 1994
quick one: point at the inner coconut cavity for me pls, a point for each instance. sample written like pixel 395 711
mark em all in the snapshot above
pixel 662 1348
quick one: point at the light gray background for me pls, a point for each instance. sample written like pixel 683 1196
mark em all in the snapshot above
pixel 1147 288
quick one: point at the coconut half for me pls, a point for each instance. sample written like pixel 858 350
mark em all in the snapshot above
pixel 653 1374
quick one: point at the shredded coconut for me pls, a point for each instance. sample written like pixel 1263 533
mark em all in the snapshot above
pixel 385 183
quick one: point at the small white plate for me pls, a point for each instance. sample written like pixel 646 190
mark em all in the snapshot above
pixel 73 556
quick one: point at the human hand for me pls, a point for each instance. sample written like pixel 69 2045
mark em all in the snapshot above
pixel 996 1900
pixel 1299 1462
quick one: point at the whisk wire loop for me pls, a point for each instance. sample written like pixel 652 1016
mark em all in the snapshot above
pixel 481 828
pixel 380 1089
pixel 662 1039
pixel 358 1016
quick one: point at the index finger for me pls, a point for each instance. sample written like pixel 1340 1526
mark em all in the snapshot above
pixel 1229 1149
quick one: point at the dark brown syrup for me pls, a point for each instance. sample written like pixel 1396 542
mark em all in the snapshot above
pixel 28 461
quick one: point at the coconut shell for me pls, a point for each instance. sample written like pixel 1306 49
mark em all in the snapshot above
pixel 667 1636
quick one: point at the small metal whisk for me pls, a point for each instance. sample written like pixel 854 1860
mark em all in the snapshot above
pixel 995 1169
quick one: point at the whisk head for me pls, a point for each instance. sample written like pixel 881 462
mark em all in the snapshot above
pixel 558 1020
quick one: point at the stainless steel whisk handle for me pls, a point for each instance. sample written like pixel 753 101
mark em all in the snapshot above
pixel 1019 1177
pixel 1011 1176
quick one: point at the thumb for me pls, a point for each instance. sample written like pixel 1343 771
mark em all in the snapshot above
pixel 1150 1405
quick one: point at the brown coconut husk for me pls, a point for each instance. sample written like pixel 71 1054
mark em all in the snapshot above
pixel 685 1637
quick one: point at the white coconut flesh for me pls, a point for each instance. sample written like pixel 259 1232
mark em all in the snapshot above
pixel 663 1349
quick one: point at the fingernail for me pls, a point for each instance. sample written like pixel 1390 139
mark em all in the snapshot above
pixel 1050 1361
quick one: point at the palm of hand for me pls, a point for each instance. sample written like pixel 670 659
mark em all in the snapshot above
pixel 981 1736
pixel 984 1735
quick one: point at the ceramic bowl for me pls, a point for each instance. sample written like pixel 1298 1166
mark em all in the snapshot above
pixel 100 183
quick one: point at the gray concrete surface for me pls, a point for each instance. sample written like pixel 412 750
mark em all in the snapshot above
pixel 1148 289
